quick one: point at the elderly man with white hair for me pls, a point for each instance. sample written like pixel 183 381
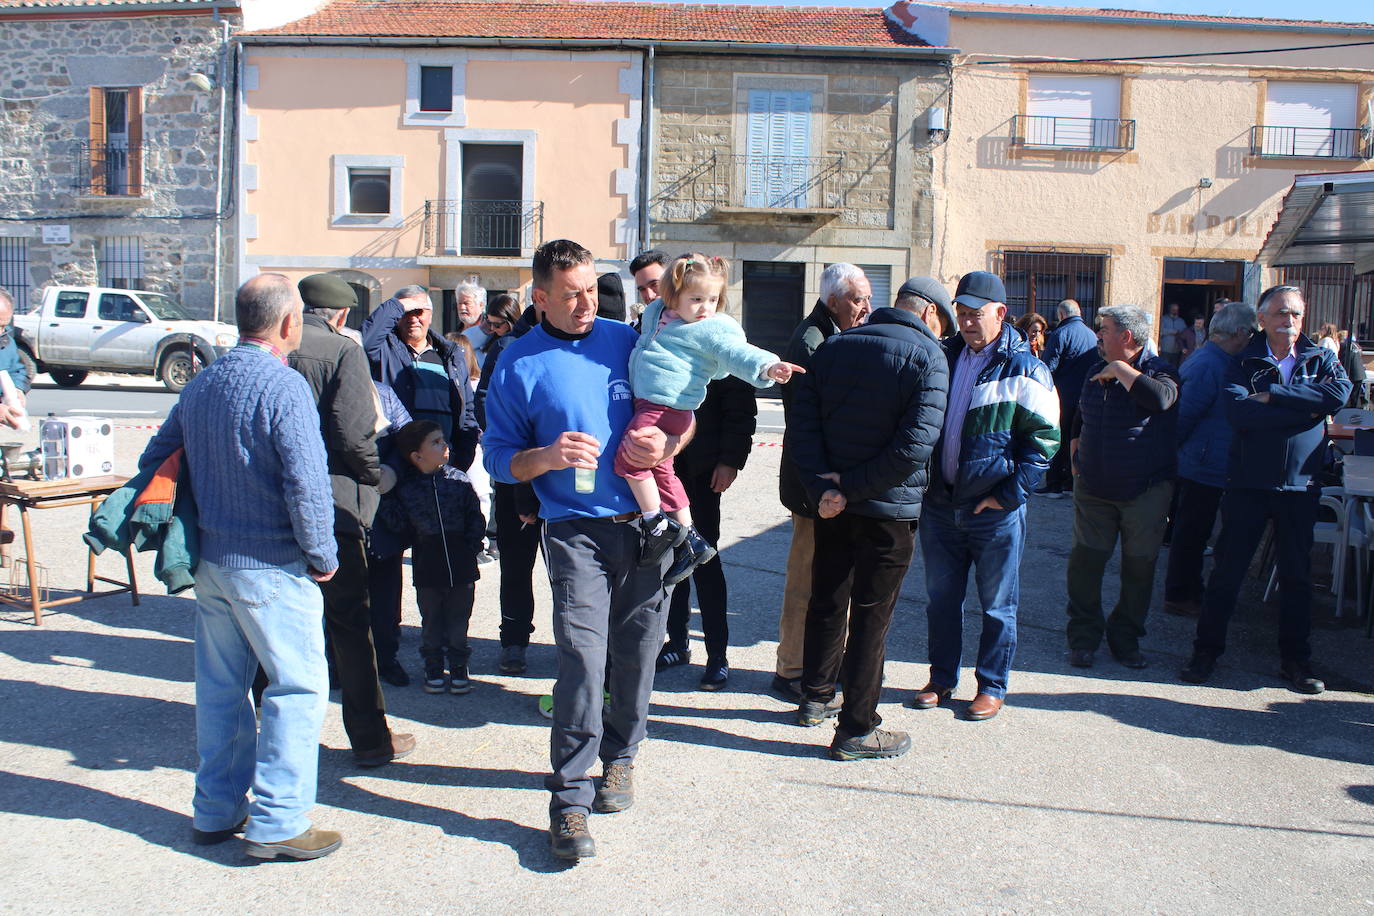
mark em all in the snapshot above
pixel 844 303
pixel 1124 454
pixel 471 303
pixel 1278 394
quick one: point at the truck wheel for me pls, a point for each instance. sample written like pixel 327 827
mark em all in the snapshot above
pixel 68 378
pixel 30 365
pixel 178 368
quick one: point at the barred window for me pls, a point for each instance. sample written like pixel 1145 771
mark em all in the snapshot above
pixel 121 262
pixel 14 271
pixel 1037 281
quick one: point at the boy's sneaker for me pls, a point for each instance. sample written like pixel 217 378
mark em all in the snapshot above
pixel 546 706
pixel 658 535
pixel 715 677
pixel 695 551
pixel 670 656
pixel 458 679
pixel 435 682
pixel 512 659
pixel 872 746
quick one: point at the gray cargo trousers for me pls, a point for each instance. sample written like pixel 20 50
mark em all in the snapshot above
pixel 607 611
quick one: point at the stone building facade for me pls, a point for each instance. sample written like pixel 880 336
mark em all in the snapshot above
pixel 786 163
pixel 110 133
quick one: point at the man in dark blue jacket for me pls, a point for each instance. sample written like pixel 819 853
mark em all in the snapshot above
pixel 1278 395
pixel 429 374
pixel 861 429
pixel 1124 453
pixel 1204 439
pixel 1070 351
pixel 999 435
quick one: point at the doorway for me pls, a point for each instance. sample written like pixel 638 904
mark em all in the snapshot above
pixel 1197 285
pixel 774 302
pixel 493 213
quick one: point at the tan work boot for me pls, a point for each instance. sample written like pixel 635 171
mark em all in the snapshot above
pixel 312 844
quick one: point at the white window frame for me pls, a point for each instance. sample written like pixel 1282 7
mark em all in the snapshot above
pixel 342 218
pixel 412 116
pixel 453 172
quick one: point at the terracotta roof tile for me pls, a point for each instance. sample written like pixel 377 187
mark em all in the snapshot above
pixel 765 25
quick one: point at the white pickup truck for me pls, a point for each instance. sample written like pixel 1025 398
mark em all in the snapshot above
pixel 81 329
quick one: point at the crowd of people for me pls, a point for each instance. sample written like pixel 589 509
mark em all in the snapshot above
pixel 317 460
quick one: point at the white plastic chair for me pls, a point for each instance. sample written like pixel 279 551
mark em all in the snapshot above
pixel 1358 540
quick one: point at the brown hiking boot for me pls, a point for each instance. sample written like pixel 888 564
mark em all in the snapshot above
pixel 312 844
pixel 617 790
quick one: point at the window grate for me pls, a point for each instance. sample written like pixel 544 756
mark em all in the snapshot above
pixel 1037 281
pixel 14 271
pixel 121 262
pixel 1334 293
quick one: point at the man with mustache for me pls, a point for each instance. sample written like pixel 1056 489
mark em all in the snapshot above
pixel 1278 394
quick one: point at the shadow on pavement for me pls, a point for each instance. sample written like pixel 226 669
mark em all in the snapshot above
pixel 1094 812
pixel 52 798
pixel 1326 728
pixel 166 659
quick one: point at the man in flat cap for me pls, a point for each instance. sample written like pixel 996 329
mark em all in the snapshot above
pixel 929 300
pixel 337 371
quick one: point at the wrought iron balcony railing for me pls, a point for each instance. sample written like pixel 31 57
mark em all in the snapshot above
pixel 754 182
pixel 1311 142
pixel 1046 132
pixel 484 228
pixel 109 169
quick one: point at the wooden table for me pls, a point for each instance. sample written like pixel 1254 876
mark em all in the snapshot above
pixel 56 494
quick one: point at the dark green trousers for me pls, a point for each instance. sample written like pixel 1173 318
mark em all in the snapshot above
pixel 1097 523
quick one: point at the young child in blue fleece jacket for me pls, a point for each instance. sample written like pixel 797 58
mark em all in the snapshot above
pixel 684 345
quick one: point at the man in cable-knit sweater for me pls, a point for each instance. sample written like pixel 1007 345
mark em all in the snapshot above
pixel 257 463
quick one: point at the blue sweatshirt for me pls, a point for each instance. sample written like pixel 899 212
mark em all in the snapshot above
pixel 544 386
pixel 252 437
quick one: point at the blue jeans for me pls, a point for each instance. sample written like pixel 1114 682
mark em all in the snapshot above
pixel 246 617
pixel 952 540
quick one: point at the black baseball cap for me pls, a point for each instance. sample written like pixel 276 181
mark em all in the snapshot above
pixel 978 288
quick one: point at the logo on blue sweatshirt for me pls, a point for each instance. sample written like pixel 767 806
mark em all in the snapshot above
pixel 619 389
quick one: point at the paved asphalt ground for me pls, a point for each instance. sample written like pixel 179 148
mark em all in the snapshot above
pixel 1103 790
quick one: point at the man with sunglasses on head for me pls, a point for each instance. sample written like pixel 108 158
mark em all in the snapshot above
pixel 1278 394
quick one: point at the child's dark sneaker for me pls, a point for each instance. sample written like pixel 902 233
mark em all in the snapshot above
pixel 695 551
pixel 435 682
pixel 458 679
pixel 716 676
pixel 659 534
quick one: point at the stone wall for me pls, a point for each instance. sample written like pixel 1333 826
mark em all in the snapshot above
pixel 52 65
pixel 700 108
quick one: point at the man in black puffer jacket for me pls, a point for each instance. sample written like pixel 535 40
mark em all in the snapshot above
pixel 861 429
pixel 1125 453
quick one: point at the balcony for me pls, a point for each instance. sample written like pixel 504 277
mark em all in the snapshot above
pixel 109 169
pixel 771 189
pixel 483 228
pixel 1311 142
pixel 1095 134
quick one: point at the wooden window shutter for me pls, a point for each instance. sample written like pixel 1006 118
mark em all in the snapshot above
pixel 136 141
pixel 95 153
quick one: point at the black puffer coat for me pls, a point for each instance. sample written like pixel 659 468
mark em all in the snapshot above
pixel 439 515
pixel 870 408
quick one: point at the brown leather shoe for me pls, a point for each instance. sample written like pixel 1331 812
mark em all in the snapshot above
pixel 930 696
pixel 983 707
pixel 395 749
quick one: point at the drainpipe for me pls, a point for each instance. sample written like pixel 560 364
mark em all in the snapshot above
pixel 221 78
pixel 646 136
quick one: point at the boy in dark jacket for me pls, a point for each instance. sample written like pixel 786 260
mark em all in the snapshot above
pixel 436 509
